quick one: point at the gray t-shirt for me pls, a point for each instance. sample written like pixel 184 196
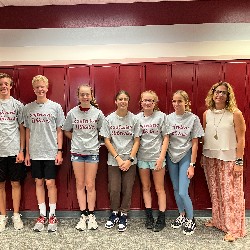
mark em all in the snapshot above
pixel 85 128
pixel 121 131
pixel 43 121
pixel 11 116
pixel 185 127
pixel 153 129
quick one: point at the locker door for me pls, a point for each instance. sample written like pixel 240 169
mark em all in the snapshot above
pixel 207 73
pixel 156 80
pixel 130 79
pixel 75 76
pixel 104 81
pixel 182 77
pixel 57 93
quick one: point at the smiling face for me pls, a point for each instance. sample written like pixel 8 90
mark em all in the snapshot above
pixel 85 95
pixel 5 87
pixel 220 96
pixel 148 102
pixel 40 89
pixel 179 104
pixel 122 101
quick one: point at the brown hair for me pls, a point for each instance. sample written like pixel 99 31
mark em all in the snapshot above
pixel 231 104
pixel 4 75
pixel 93 101
pixel 122 92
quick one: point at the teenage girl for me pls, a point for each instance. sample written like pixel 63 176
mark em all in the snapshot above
pixel 82 128
pixel 181 157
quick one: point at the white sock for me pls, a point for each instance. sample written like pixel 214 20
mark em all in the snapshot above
pixel 42 208
pixel 52 209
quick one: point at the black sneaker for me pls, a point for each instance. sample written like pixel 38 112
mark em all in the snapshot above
pixel 112 221
pixel 189 227
pixel 179 222
pixel 122 226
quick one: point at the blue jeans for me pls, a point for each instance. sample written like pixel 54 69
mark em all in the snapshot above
pixel 180 181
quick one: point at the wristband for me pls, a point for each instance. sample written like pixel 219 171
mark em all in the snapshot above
pixel 116 156
pixel 192 164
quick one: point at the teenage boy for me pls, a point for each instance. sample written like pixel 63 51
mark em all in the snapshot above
pixel 12 143
pixel 43 120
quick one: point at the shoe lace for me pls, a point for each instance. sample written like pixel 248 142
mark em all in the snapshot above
pixel 52 219
pixel 122 219
pixel 112 217
pixel 40 219
pixel 179 219
pixel 189 223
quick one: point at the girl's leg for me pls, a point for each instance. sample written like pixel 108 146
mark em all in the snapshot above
pixel 146 186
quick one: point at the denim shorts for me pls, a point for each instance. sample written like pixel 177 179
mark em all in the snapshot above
pixel 85 158
pixel 148 164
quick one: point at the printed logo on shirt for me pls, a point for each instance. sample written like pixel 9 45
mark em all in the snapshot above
pixel 121 130
pixel 150 128
pixel 7 116
pixel 85 124
pixel 180 130
pixel 40 118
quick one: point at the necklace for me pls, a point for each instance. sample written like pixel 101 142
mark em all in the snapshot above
pixel 216 126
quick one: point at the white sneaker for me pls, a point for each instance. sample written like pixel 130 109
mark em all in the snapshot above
pixel 92 224
pixel 18 224
pixel 81 225
pixel 3 222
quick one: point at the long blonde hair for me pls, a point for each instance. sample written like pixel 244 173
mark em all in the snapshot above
pixel 231 104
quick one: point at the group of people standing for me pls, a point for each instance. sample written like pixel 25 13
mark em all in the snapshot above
pixel 151 140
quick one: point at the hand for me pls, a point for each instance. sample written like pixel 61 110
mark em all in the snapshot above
pixel 190 172
pixel 20 157
pixel 59 159
pixel 27 160
pixel 126 165
pixel 238 170
pixel 159 164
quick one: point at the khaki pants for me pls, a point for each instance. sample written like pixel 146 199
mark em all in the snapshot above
pixel 121 183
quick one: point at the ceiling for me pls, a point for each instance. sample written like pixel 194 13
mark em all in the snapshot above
pixel 68 2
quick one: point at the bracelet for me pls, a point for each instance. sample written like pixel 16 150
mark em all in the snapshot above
pixel 239 162
pixel 116 156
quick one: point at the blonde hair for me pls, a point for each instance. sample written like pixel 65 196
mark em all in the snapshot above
pixel 93 101
pixel 231 104
pixel 40 78
pixel 4 75
pixel 185 96
pixel 155 96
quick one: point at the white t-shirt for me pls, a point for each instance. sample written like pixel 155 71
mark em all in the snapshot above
pixel 43 121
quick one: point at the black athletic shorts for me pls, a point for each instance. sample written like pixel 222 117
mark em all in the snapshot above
pixel 43 169
pixel 10 170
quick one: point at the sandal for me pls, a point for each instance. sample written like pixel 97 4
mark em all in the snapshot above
pixel 229 238
pixel 209 223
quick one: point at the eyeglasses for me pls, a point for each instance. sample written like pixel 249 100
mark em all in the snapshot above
pixel 222 92
pixel 84 94
pixel 148 100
